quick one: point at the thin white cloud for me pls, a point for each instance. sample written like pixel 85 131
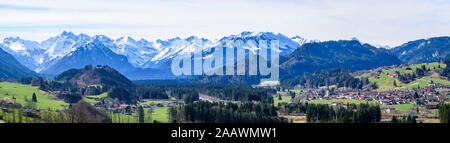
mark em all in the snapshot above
pixel 386 22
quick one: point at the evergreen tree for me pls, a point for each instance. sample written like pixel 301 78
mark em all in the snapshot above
pixel 444 113
pixel 34 98
pixel 394 119
pixel 141 114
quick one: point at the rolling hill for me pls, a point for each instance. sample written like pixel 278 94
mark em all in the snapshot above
pixel 385 79
pixel 99 75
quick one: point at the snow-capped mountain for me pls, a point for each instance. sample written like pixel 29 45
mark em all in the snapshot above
pixel 59 46
pixel 26 52
pixel 287 45
pixel 301 41
pixel 176 46
pixel 94 53
pixel 383 46
pixel 49 55
pixel 138 52
pixel 37 56
pixel 142 59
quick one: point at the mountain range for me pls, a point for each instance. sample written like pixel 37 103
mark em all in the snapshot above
pixel 142 59
pixel 424 50
pixel 348 54
pixel 50 56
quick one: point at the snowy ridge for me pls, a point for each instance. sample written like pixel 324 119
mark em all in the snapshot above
pixel 140 53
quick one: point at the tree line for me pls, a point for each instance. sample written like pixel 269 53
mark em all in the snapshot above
pixel 446 71
pixel 406 119
pixel 188 95
pixel 339 77
pixel 444 113
pixel 365 113
pixel 206 112
pixel 323 113
pixel 219 90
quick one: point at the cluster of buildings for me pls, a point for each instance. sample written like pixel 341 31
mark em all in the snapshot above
pixel 433 93
pixel 123 108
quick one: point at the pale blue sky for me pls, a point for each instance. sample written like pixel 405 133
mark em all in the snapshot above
pixel 384 22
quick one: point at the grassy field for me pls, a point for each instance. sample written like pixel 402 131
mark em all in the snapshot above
pixel 160 114
pixel 93 101
pixel 383 81
pixel 401 106
pixel 422 82
pixel 91 98
pixel 428 65
pixel 345 101
pixel 414 67
pixel 297 90
pixel 21 92
pixel 148 102
pixel 284 99
pixel 104 94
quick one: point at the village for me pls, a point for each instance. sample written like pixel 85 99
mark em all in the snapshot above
pixel 433 93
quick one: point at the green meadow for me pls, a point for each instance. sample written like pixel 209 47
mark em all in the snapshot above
pixel 386 82
pixel 104 94
pixel 160 114
pixel 345 101
pixel 22 92
pixel 284 99
pixel 422 82
pixel 401 106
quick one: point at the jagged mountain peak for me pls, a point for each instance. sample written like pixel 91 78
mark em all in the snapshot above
pixel 12 39
pixel 93 52
pixel 142 40
pixel 249 34
pixel 17 44
pixel 93 44
pixel 73 36
pixel 297 37
pixel 300 40
pixel 125 39
pixel 168 41
pixel 101 37
pixel 286 44
pixel 67 34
